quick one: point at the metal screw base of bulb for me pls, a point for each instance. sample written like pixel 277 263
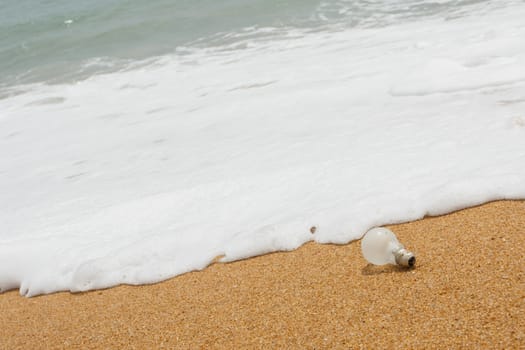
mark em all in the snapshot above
pixel 405 258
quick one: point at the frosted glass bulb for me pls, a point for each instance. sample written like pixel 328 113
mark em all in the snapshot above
pixel 380 246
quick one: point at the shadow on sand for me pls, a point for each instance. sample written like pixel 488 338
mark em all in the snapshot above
pixel 370 270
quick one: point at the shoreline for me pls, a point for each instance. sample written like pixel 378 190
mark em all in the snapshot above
pixel 467 291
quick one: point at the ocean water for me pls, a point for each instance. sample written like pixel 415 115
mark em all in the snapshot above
pixel 63 41
pixel 139 141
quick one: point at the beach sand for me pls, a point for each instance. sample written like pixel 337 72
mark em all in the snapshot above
pixel 467 291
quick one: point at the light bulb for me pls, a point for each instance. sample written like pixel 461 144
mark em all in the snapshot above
pixel 380 246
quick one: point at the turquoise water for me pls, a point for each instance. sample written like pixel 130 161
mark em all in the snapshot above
pixel 57 41
pixel 44 39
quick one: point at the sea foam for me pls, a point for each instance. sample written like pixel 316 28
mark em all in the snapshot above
pixel 140 175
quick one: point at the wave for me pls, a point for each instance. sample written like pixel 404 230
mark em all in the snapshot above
pixel 161 168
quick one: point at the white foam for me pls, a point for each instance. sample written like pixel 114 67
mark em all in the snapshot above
pixel 137 176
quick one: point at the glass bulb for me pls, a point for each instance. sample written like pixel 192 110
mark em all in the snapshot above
pixel 380 246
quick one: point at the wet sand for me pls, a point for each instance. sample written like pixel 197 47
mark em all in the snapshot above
pixel 467 291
